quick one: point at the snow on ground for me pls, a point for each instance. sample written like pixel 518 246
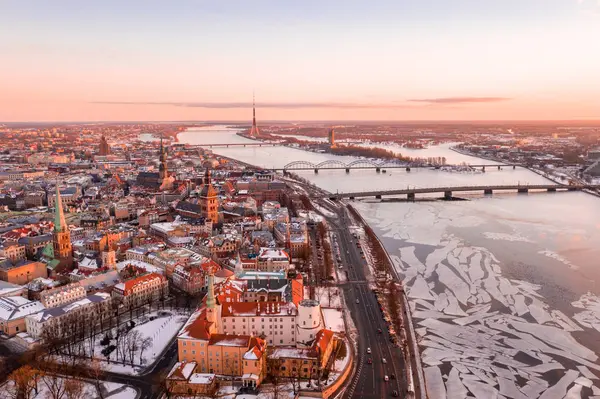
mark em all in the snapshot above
pixel 334 320
pixel 112 390
pixel 311 216
pixel 481 334
pixel 324 211
pixel 161 330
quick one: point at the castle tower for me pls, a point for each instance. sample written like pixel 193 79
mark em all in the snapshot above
pixel 213 308
pixel 309 321
pixel 254 130
pixel 209 202
pixel 104 148
pixel 239 266
pixel 61 238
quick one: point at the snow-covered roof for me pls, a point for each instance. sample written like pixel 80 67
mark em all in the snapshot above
pixel 202 378
pixel 16 307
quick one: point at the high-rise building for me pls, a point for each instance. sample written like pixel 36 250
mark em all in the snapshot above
pixel 104 147
pixel 208 199
pixel 332 138
pixel 63 251
pixel 254 132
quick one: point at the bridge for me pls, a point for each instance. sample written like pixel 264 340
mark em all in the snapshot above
pixel 335 164
pixel 448 191
pixel 257 144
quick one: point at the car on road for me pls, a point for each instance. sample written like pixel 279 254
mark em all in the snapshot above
pixel 383 360
pixel 379 331
pixel 386 378
pixel 369 351
pixel 369 361
pixel 357 301
pixel 392 376
pixel 395 394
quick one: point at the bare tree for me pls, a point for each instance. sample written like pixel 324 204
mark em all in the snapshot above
pixel 74 389
pixel 145 344
pixel 133 344
pixel 95 371
pixel 21 384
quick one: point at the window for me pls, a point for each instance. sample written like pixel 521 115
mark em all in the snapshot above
pixel 281 342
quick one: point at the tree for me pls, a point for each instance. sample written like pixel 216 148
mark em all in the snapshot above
pixel 96 372
pixel 22 383
pixel 144 345
pixel 133 344
pixel 74 389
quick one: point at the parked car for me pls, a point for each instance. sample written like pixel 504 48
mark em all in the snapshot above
pixel 369 361
pixel 369 351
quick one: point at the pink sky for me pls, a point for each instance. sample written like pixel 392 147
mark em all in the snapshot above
pixel 539 60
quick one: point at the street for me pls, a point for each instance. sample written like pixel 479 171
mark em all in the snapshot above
pixel 368 381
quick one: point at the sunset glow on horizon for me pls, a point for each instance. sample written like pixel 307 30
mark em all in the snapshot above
pixel 310 60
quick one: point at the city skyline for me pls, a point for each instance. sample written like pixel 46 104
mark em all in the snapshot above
pixel 385 60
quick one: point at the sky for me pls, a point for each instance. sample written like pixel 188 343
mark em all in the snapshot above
pixel 304 60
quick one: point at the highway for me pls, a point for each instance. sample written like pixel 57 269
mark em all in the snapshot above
pixel 368 380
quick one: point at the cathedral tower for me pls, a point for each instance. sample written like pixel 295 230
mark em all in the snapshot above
pixel 63 250
pixel 208 199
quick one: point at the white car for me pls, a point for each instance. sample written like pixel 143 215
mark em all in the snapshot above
pixel 383 360
pixel 369 351
pixel 386 378
pixel 357 301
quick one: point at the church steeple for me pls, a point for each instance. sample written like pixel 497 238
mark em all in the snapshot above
pixel 60 224
pixel 207 176
pixel 163 171
pixel 211 301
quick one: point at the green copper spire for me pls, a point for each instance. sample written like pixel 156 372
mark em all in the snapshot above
pixel 59 216
pixel 211 302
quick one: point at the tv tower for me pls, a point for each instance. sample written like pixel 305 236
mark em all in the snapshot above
pixel 254 130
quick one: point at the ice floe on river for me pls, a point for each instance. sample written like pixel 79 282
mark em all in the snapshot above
pixel 482 334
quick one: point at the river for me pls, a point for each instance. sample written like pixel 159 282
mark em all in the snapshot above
pixel 502 288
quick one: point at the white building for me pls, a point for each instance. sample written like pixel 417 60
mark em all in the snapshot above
pixel 69 318
pixel 276 320
pixel 62 295
pixel 272 260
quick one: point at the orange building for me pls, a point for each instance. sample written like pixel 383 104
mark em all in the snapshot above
pixel 223 354
pixel 22 272
pixel 305 363
pixel 208 199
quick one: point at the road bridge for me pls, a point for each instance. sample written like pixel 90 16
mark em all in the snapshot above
pixel 257 144
pixel 448 191
pixel 378 166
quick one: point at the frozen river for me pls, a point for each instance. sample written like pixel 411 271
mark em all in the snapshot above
pixel 502 289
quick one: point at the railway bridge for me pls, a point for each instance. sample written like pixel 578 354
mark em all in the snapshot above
pixel 378 166
pixel 448 191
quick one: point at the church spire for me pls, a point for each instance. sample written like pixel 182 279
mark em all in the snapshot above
pixel 60 223
pixel 211 302
pixel 207 176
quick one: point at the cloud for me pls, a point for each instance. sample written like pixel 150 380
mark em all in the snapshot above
pixel 291 105
pixel 302 105
pixel 460 100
